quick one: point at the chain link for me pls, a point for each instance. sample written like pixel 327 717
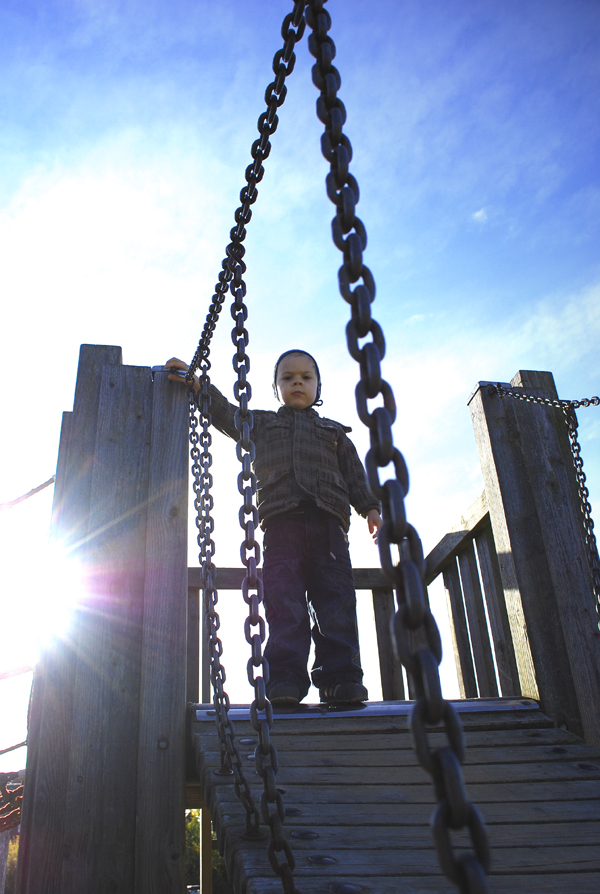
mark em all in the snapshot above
pixel 231 761
pixel 261 711
pixel 357 287
pixel 284 61
pixel 231 277
pixel 568 408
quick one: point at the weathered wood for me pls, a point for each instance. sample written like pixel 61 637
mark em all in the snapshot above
pixel 478 632
pixel 508 674
pixel 529 479
pixel 194 669
pixel 392 683
pixel 581 883
pixel 458 630
pixel 443 553
pixel 367 809
pixel 160 833
pixel 50 719
pixel 205 851
pixel 101 791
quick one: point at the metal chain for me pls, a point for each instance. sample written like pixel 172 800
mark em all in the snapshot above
pixel 454 810
pixel 568 408
pixel 231 761
pixel 261 711
pixel 284 61
pixel 233 268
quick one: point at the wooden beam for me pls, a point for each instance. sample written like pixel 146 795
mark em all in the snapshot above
pixel 529 481
pixel 160 832
pixel 458 630
pixel 231 578
pixel 480 641
pixel 41 847
pixel 508 674
pixel 443 553
pixel 392 683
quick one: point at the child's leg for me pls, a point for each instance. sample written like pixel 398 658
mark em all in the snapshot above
pixel 333 603
pixel 288 645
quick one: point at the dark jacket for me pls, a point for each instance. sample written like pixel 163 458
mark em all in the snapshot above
pixel 300 456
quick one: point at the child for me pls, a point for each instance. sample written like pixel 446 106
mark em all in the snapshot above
pixel 308 473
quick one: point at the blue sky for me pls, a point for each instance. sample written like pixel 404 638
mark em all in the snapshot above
pixel 126 129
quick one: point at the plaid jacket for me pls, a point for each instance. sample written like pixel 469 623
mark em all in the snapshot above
pixel 300 456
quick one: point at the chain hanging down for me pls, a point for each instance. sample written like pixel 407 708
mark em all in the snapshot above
pixel 231 761
pixel 568 408
pixel 284 62
pixel 454 810
pixel 233 267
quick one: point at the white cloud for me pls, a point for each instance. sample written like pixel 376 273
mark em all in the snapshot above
pixel 480 216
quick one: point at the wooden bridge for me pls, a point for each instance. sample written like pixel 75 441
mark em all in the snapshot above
pixel 115 756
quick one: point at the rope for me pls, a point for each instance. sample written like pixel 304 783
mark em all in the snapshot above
pixel 30 493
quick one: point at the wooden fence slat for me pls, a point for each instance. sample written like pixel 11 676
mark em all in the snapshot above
pixel 480 640
pixel 458 629
pixel 160 834
pixel 101 790
pixel 508 673
pixel 41 846
pixel 194 671
pixel 392 683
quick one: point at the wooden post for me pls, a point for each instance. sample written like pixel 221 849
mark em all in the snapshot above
pixel 392 684
pixel 101 786
pixel 537 524
pixel 463 659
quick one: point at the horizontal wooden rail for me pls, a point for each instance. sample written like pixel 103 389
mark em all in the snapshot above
pixel 231 578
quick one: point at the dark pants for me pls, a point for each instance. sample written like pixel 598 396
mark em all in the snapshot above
pixel 309 590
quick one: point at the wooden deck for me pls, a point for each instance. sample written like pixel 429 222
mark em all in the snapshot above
pixel 351 779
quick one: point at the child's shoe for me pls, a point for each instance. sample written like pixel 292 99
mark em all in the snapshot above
pixel 344 694
pixel 284 695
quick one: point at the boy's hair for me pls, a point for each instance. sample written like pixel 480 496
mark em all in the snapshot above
pixel 317 401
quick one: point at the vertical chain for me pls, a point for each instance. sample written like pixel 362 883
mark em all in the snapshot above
pixel 261 711
pixel 231 761
pixel 568 408
pixel 454 810
pixel 284 62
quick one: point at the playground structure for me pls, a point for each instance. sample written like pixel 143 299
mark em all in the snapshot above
pixel 107 769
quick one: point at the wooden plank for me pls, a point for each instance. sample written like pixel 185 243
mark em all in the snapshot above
pixel 41 847
pixel 231 578
pixel 480 793
pixel 194 669
pixel 398 862
pixel 392 683
pixel 578 883
pixel 160 834
pixel 388 815
pixel 458 629
pixel 510 435
pixel 553 481
pixel 508 674
pixel 205 852
pixel 307 756
pixel 480 640
pixel 100 810
pixel 442 554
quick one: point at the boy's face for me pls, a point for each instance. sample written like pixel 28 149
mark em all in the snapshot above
pixel 297 381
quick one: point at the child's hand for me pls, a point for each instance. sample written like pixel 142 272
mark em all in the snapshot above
pixel 175 363
pixel 374 522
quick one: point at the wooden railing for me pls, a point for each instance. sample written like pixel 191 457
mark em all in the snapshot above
pixel 467 560
pixel 373 579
